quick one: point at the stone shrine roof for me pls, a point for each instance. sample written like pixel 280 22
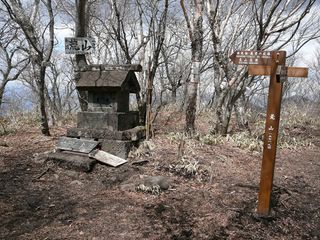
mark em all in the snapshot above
pixel 122 79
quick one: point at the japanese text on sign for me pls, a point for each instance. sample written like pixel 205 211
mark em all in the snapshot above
pixel 251 57
pixel 79 45
pixel 270 132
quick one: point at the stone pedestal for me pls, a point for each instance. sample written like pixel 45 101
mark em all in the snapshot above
pixel 118 143
pixel 118 121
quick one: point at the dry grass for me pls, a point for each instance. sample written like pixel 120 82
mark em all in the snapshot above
pixel 293 133
pixel 296 125
pixel 18 121
pixel 154 190
pixel 13 123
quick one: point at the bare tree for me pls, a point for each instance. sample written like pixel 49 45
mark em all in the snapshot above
pixel 157 42
pixel 135 31
pixel 273 25
pixel 175 60
pixel 60 89
pixel 12 57
pixel 195 29
pixel 307 89
pixel 41 43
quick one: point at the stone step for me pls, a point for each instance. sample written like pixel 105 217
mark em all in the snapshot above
pixel 71 160
pixel 132 134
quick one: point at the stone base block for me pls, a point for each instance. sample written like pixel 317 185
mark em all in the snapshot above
pixel 118 121
pixel 118 147
pixel 133 134
pixel 74 161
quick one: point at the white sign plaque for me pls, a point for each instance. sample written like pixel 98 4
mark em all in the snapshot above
pixel 79 45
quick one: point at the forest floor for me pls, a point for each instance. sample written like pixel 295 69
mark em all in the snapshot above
pixel 39 200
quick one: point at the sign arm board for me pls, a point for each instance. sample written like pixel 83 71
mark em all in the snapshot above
pixel 266 71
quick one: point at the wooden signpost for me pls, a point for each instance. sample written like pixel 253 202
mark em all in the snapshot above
pixel 270 63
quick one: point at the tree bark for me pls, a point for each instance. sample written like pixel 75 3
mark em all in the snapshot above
pixel 1 94
pixel 81 31
pixel 174 95
pixel 42 100
pixel 240 111
pixel 195 29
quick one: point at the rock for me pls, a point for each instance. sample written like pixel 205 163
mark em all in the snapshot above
pixel 41 157
pixel 3 144
pixel 148 181
pixel 130 187
pixel 76 182
pixel 161 181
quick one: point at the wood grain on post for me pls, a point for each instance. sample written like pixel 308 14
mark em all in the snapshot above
pixel 271 134
pixel 261 70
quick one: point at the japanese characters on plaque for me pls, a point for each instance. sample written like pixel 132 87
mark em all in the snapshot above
pixel 270 131
pixel 79 45
pixel 252 57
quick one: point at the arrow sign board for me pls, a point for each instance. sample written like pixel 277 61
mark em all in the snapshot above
pixel 79 45
pixel 299 72
pixel 251 58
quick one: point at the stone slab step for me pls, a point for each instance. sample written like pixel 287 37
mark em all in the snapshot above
pixel 71 160
pixel 133 134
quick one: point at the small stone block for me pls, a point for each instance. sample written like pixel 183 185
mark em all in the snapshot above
pixel 117 148
pixel 74 161
pixel 107 158
pixel 77 145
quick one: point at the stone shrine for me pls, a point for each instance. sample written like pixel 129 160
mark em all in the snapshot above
pixel 108 99
pixel 108 119
pixel 108 124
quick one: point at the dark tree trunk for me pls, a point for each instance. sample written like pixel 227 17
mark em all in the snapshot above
pixel 153 66
pixel 240 111
pixel 81 31
pixel 42 101
pixel 191 108
pixel 174 95
pixel 2 87
pixel 224 116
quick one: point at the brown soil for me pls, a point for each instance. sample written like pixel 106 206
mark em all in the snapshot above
pixel 39 200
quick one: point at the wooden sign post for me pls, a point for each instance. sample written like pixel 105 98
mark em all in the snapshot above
pixel 272 64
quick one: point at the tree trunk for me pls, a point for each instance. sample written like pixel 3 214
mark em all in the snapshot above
pixel 174 95
pixel 195 29
pixel 153 66
pixel 149 103
pixel 2 87
pixel 240 111
pixel 81 28
pixel 42 101
pixel 81 31
pixel 191 108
